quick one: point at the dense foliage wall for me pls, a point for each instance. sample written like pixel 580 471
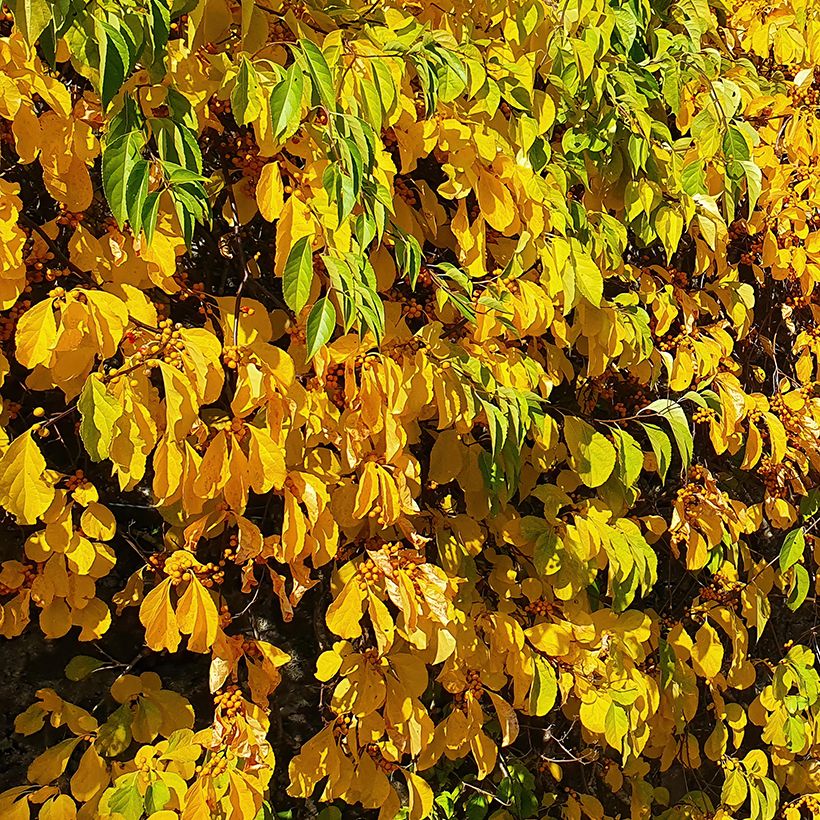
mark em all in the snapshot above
pixel 411 408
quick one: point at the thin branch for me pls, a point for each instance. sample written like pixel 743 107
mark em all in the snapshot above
pixel 241 251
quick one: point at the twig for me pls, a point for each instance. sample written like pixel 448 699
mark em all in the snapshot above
pixel 74 268
pixel 241 251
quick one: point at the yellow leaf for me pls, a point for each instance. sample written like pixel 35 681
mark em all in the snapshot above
pixel 447 458
pixel 158 618
pixel 110 317
pixel 544 687
pixel 99 411
pixel 345 613
pixel 52 762
pixel 36 335
pixel 327 665
pixel 197 617
pixel 777 436
pixel 60 807
pixel 707 652
pixel 420 795
pixel 506 718
pixel 495 201
pixel 180 403
pixel 592 453
pixel 270 194
pixel 551 639
pixel 90 777
pixel 24 490
pixel 266 461
pixel 98 522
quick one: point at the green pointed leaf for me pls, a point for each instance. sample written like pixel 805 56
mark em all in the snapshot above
pixel 674 414
pixel 286 103
pixel 544 689
pixel 118 160
pixel 114 60
pixel 319 73
pixel 800 587
pixel 592 452
pixel 246 100
pixel 99 412
pixel 81 666
pixel 298 275
pixel 320 325
pixel 661 446
pixel 31 17
pixel 630 457
pixel 794 544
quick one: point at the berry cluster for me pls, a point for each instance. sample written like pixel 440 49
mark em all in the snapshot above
pixel 684 339
pixel 168 346
pixel 8 323
pixel 405 192
pixel 296 331
pixel 279 31
pixel 242 153
pixel 229 701
pixel 723 590
pixel 194 291
pixel 76 481
pixel 369 574
pixel 703 415
pixel 29 573
pixel 342 726
pixel 775 477
pixel 216 766
pixel 69 219
pixel 375 754
pixel 792 418
pixel 806 95
pixel 181 566
pixel 540 607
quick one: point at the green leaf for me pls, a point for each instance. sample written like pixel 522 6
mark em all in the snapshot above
pixel 545 552
pixel 670 77
pixel 114 60
pixel 99 412
pixel 616 725
pixel 114 736
pixel 126 800
pixel 544 687
pixel 31 17
pixel 630 457
pixel 81 666
pixel 298 275
pixel 320 325
pixel 150 212
pixel 246 101
pixel 286 102
pixel 754 183
pixel 136 189
pixel 800 587
pixel 588 278
pixel 319 73
pixel 118 160
pixel 794 544
pixel 735 146
pixel 157 796
pixel 592 452
pixel 669 225
pixel 693 178
pixel 661 446
pixel 673 413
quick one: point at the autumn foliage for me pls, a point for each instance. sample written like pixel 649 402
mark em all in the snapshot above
pixel 435 385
